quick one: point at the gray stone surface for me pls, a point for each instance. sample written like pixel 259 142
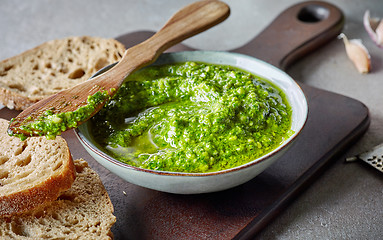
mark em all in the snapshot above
pixel 346 201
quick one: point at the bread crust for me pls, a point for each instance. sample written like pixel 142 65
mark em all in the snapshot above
pixel 82 212
pixel 14 197
pixel 54 66
pixel 13 100
pixel 47 191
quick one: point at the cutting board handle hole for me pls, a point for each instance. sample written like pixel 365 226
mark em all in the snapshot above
pixel 313 14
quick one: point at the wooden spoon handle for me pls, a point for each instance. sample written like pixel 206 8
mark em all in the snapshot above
pixel 189 21
pixel 295 32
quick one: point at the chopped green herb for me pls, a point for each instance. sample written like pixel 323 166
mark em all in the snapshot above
pixel 51 125
pixel 192 117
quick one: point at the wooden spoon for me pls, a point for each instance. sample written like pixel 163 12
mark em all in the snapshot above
pixel 189 21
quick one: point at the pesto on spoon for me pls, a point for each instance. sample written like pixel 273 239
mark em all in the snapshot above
pixel 69 108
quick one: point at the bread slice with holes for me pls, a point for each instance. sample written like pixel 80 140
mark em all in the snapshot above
pixel 32 172
pixel 82 212
pixel 52 67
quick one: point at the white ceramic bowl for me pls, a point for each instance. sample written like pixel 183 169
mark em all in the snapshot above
pixel 192 183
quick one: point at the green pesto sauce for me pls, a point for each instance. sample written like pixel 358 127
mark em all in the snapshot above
pixel 52 125
pixel 192 117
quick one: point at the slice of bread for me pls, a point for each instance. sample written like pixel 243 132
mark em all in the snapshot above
pixel 82 212
pixel 32 172
pixel 53 66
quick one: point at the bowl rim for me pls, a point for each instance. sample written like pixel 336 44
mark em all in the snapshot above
pixel 92 147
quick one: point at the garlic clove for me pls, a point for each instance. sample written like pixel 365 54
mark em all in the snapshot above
pixel 374 27
pixel 379 33
pixel 357 53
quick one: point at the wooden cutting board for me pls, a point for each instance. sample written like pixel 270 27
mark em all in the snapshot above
pixel 334 123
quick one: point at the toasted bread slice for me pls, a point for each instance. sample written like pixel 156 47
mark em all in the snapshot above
pixel 32 172
pixel 82 212
pixel 53 66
